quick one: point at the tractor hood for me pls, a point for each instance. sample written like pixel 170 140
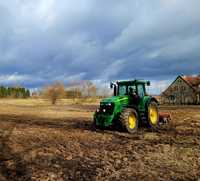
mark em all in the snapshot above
pixel 115 99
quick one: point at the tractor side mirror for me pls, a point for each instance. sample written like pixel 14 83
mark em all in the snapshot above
pixel 111 85
pixel 148 83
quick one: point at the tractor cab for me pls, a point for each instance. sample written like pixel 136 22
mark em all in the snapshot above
pixel 122 88
pixel 135 89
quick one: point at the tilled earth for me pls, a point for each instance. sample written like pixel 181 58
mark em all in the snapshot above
pixel 36 148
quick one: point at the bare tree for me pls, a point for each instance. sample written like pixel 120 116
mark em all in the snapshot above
pixel 54 92
pixel 89 89
pixel 105 92
pixel 73 90
pixel 92 91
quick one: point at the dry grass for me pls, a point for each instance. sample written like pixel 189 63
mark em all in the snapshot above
pixel 46 102
pixel 43 108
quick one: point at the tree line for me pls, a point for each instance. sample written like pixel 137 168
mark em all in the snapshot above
pixel 14 92
pixel 82 89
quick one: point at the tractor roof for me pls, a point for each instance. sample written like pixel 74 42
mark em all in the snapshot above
pixel 132 82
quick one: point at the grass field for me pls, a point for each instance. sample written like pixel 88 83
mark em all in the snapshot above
pixel 39 141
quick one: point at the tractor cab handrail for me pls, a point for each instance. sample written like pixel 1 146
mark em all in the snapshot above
pixel 130 82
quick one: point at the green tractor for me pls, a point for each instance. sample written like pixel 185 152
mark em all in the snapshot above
pixel 130 107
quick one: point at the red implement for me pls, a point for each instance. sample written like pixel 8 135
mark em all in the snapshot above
pixel 164 117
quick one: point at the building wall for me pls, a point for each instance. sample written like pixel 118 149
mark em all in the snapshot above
pixel 179 93
pixel 198 98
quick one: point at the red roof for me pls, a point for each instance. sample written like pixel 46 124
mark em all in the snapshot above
pixel 193 81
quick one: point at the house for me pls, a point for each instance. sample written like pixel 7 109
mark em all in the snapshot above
pixel 184 90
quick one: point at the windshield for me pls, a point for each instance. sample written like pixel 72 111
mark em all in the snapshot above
pixel 126 89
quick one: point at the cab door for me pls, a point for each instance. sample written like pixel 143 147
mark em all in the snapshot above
pixel 140 90
pixel 141 93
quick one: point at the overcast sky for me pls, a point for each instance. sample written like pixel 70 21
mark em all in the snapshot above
pixel 42 41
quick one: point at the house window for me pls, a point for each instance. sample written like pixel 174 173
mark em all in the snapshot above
pixel 183 88
pixel 172 97
pixel 175 88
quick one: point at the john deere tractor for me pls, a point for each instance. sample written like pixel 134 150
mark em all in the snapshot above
pixel 130 106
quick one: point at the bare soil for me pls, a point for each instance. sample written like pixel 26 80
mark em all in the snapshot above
pixel 35 147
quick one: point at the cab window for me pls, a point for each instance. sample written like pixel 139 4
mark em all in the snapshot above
pixel 140 89
pixel 122 90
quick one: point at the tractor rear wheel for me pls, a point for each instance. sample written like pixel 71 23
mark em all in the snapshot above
pixel 153 115
pixel 129 120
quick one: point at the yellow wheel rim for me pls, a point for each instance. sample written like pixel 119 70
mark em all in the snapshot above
pixel 132 121
pixel 153 113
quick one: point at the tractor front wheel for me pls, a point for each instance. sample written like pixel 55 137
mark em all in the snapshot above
pixel 129 120
pixel 95 126
pixel 153 115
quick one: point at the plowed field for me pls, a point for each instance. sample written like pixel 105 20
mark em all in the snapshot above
pixel 44 142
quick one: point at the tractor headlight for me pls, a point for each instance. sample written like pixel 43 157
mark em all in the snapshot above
pixel 107 108
pixel 98 110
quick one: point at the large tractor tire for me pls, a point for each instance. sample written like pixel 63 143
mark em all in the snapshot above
pixel 95 126
pixel 129 120
pixel 153 115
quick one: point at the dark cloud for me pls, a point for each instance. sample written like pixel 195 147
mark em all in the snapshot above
pixel 42 41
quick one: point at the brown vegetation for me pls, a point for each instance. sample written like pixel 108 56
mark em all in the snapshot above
pixel 54 92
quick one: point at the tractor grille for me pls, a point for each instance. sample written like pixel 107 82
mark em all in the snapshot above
pixel 107 108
